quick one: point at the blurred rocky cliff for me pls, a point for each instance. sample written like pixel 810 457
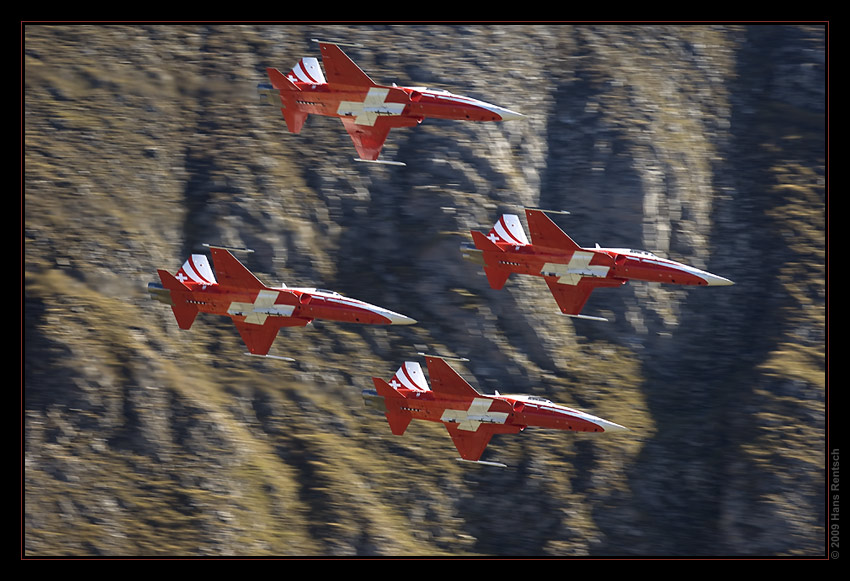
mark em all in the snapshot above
pixel 704 144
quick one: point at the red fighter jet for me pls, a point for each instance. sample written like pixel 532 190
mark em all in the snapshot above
pixel 367 110
pixel 257 310
pixel 571 272
pixel 471 418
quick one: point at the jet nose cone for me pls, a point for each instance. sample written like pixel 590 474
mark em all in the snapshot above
pixel 402 320
pixel 396 319
pixel 611 426
pixel 714 280
pixel 508 115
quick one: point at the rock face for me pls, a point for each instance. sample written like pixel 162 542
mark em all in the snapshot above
pixel 705 144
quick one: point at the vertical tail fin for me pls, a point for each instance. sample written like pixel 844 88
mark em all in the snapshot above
pixel 410 376
pixel 307 70
pixel 197 269
pixel 508 230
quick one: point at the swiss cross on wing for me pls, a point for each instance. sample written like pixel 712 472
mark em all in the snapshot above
pixel 263 306
pixel 579 266
pixel 366 112
pixel 477 413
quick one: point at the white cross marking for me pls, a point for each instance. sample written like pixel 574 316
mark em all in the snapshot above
pixel 493 238
pixel 477 414
pixel 262 307
pixel 366 112
pixel 181 277
pixel 395 383
pixel 579 266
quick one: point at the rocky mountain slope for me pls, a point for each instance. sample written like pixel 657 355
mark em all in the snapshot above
pixel 705 144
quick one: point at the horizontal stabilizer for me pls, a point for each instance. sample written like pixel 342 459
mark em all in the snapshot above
pixel 497 277
pixel 185 314
pixel 396 418
pixel 184 311
pixel 384 389
pixel 170 282
pixel 398 422
pixel 294 119
pixel 484 243
pixel 279 80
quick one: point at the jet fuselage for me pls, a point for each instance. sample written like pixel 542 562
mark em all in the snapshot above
pixel 257 310
pixel 364 104
pixel 291 303
pixel 512 413
pixel 599 263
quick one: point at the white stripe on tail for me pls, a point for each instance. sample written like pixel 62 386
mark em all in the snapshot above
pixel 410 376
pixel 508 230
pixel 307 71
pixel 196 269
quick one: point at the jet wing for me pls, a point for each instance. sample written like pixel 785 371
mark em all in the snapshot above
pixel 570 297
pixel 470 445
pixel 368 139
pixel 259 338
pixel 370 132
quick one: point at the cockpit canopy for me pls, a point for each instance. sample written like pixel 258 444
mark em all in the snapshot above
pixel 632 251
pixel 531 398
pixel 318 290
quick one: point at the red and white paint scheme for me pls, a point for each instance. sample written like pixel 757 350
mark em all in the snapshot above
pixel 571 272
pixel 470 417
pixel 367 110
pixel 257 310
